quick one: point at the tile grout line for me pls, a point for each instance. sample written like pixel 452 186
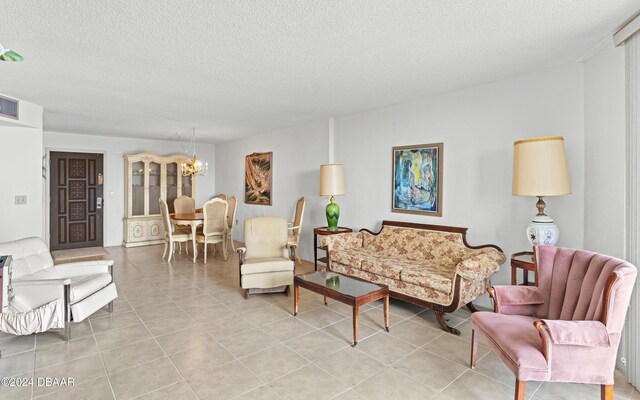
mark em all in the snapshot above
pixel 168 358
pixel 102 360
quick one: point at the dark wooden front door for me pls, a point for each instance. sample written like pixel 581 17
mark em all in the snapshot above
pixel 76 200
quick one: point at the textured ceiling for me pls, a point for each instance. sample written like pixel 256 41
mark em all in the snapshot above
pixel 150 68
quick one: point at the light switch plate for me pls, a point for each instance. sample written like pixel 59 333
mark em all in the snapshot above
pixel 21 199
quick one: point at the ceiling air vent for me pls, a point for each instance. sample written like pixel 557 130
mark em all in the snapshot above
pixel 8 108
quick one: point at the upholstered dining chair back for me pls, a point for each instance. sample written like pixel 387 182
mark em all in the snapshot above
pixel 184 205
pixel 231 216
pixel 220 196
pixel 265 237
pixel 572 285
pixel 166 223
pixel 215 217
pixel 299 215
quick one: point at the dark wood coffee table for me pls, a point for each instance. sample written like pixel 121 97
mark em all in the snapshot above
pixel 345 289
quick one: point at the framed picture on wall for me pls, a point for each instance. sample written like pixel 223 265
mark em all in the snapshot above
pixel 257 178
pixel 417 179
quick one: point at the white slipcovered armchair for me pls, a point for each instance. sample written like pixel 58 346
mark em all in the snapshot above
pixel 266 262
pixel 45 296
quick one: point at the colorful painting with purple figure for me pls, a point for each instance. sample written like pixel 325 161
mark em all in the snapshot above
pixel 417 179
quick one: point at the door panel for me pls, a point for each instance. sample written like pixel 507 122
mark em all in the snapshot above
pixel 76 192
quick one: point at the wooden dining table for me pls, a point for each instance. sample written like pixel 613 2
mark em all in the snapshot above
pixel 193 220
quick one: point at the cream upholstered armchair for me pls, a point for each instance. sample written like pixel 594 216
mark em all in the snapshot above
pixel 566 329
pixel 265 262
pixel 214 227
pixel 295 227
pixel 171 235
pixel 231 219
pixel 45 296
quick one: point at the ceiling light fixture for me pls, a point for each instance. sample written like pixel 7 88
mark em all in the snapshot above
pixel 194 167
pixel 9 55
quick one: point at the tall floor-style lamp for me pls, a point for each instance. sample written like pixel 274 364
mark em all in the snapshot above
pixel 540 169
pixel 332 184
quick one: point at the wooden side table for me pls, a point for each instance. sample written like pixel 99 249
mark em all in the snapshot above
pixel 525 261
pixel 324 231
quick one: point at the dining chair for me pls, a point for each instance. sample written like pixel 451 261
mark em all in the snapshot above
pixel 566 329
pixel 231 219
pixel 184 205
pixel 295 226
pixel 220 196
pixel 171 236
pixel 214 227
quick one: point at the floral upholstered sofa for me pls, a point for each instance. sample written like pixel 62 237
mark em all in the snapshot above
pixel 429 265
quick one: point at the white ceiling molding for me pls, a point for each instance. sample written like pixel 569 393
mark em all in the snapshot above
pixel 626 31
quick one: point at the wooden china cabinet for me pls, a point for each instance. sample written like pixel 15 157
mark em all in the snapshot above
pixel 149 178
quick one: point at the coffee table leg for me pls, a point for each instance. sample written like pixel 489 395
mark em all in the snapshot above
pixel 355 325
pixel 325 300
pixel 296 293
pixel 386 313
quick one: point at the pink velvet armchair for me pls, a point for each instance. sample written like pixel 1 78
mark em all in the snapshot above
pixel 566 329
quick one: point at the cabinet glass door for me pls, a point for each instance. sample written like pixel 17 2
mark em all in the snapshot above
pixel 172 184
pixel 137 188
pixel 186 186
pixel 154 188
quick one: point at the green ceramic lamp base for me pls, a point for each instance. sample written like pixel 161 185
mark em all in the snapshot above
pixel 333 214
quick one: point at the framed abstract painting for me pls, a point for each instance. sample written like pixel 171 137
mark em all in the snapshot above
pixel 417 179
pixel 257 178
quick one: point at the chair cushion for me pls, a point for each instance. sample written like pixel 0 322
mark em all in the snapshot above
pixel 210 239
pixel 437 276
pixel 27 298
pixel 515 339
pixel 84 286
pixel 264 265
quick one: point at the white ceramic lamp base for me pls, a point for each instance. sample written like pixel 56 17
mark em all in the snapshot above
pixel 542 230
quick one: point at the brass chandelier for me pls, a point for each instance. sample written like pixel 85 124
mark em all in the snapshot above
pixel 194 166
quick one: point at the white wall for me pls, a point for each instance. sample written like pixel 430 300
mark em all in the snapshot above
pixel 605 125
pixel 21 174
pixel 478 126
pixel 114 149
pixel 297 155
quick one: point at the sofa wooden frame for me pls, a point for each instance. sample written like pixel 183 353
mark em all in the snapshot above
pixel 438 310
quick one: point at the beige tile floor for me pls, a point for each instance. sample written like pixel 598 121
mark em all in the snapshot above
pixel 184 331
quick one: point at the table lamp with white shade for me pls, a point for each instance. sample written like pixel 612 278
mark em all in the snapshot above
pixel 540 169
pixel 332 184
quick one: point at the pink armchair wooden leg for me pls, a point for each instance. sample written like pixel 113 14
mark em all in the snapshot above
pixel 606 392
pixel 520 386
pixel 474 349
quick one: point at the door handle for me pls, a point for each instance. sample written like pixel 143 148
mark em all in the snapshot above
pixel 99 203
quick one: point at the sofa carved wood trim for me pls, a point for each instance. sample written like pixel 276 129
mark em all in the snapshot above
pixel 420 262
